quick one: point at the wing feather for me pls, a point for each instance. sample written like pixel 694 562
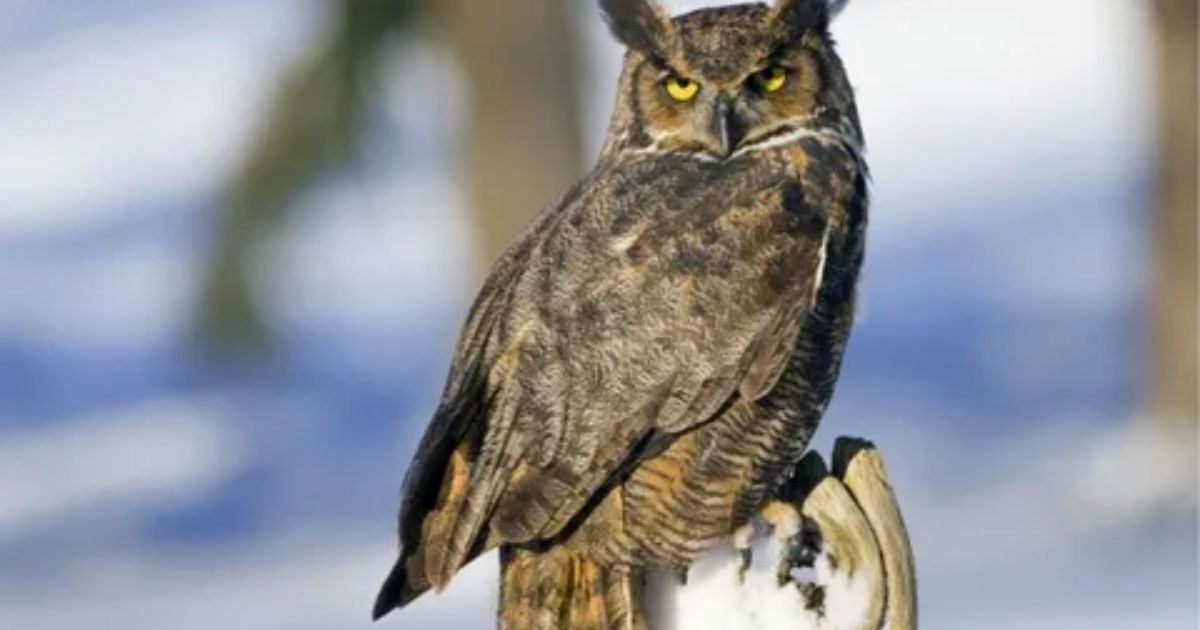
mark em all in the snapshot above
pixel 652 298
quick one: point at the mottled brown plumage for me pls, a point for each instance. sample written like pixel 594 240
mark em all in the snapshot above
pixel 643 365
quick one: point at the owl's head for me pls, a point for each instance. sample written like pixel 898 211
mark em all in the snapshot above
pixel 726 81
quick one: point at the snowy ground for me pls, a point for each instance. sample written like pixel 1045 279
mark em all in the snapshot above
pixel 996 363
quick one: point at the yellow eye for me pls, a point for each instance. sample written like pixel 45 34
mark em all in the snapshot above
pixel 681 89
pixel 770 80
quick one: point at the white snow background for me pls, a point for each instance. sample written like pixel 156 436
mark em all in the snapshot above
pixel 996 362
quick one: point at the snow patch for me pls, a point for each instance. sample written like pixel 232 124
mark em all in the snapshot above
pixel 715 599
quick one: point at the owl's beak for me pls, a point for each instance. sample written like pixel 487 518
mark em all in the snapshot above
pixel 726 127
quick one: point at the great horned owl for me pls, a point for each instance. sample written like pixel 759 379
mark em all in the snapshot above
pixel 648 360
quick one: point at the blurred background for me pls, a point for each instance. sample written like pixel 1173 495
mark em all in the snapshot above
pixel 237 238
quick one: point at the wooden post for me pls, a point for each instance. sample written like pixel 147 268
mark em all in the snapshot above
pixel 859 466
pixel 856 567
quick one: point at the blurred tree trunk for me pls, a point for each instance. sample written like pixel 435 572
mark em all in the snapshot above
pixel 1172 379
pixel 313 123
pixel 521 61
pixel 522 65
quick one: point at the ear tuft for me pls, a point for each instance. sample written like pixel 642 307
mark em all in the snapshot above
pixel 835 7
pixel 798 16
pixel 642 25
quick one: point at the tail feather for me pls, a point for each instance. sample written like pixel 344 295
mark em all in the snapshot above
pixel 403 584
pixel 555 589
pixel 437 540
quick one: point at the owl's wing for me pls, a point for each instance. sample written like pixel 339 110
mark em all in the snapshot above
pixel 635 312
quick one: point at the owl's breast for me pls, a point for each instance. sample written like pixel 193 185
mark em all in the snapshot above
pixel 746 227
pixel 669 196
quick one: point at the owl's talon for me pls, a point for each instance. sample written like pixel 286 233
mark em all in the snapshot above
pixel 793 557
pixel 798 536
pixel 784 519
pixel 742 538
pixel 745 557
pixel 681 575
pixel 800 552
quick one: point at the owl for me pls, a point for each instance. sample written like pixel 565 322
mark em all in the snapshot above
pixel 644 366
